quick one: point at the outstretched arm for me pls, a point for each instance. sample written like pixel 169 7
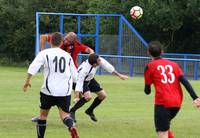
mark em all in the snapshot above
pixel 85 48
pixel 190 90
pixel 121 76
pixel 89 50
pixel 108 67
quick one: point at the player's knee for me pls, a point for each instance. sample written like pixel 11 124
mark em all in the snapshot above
pixel 102 96
pixel 43 117
pixel 88 98
pixel 68 121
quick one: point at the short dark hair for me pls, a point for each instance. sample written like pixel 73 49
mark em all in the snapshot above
pixel 155 48
pixel 93 58
pixel 56 39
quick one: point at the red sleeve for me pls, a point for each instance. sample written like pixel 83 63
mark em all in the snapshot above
pixel 49 38
pixel 83 48
pixel 148 76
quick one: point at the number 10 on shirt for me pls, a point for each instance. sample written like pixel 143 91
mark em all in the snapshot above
pixel 59 63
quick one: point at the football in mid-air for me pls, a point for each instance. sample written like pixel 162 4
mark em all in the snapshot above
pixel 136 12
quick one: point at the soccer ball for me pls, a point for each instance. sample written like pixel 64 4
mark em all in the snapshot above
pixel 136 12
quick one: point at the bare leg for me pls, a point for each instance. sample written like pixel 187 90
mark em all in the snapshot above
pixel 162 134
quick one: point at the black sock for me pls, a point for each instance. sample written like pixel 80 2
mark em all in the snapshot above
pixel 79 104
pixel 41 127
pixel 95 103
pixel 69 122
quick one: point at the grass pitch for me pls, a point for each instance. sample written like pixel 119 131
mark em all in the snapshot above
pixel 126 113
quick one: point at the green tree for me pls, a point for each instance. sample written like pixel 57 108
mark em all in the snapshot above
pixel 176 23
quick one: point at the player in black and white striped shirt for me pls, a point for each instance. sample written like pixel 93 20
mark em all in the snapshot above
pixel 59 73
pixel 87 84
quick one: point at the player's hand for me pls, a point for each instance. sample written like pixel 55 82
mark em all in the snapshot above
pixel 25 87
pixel 123 77
pixel 76 100
pixel 77 96
pixel 196 102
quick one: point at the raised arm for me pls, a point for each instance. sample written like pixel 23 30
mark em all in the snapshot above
pixel 43 39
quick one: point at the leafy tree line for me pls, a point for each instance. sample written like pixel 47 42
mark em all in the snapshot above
pixel 176 23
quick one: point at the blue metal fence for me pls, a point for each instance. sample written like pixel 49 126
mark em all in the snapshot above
pixel 126 48
pixel 134 65
pixel 121 19
pixel 61 15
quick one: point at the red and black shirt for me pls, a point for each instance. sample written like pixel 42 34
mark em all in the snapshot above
pixel 164 74
pixel 74 49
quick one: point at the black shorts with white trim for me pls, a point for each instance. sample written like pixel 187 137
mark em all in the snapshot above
pixel 47 101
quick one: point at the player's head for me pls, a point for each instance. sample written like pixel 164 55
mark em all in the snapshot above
pixel 155 49
pixel 56 39
pixel 70 38
pixel 94 59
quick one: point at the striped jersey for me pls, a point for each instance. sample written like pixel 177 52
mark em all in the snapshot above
pixel 86 72
pixel 59 71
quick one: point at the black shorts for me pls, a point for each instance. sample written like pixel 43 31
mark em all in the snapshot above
pixel 46 102
pixel 163 117
pixel 92 86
